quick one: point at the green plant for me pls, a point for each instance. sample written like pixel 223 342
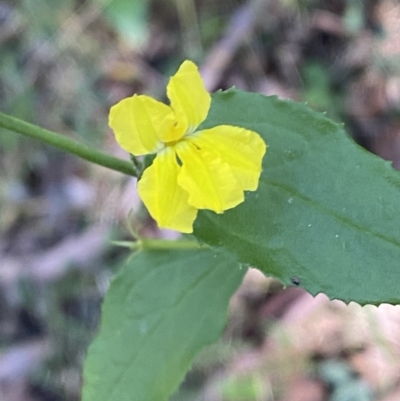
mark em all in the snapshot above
pixel 324 217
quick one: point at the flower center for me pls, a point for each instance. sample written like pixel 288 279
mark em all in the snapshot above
pixel 171 143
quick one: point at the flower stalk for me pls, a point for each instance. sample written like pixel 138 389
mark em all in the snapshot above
pixel 159 244
pixel 67 144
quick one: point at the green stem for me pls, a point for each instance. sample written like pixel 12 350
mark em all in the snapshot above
pixel 159 244
pixel 67 144
pixel 164 244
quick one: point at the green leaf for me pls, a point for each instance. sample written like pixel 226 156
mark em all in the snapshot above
pixel 160 310
pixel 326 213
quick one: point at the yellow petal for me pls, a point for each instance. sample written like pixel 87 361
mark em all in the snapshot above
pixel 139 122
pixel 242 149
pixel 189 99
pixel 208 180
pixel 166 202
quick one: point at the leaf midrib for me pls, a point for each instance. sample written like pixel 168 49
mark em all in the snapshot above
pixel 343 219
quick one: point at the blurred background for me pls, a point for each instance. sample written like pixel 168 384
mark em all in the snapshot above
pixel 62 65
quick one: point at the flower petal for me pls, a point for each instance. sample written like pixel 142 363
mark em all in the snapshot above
pixel 165 200
pixel 189 99
pixel 242 149
pixel 208 180
pixel 139 122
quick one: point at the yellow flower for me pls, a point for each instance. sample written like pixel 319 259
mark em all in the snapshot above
pixel 207 169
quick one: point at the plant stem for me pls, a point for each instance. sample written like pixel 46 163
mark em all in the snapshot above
pixel 159 244
pixel 164 244
pixel 69 145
